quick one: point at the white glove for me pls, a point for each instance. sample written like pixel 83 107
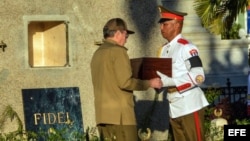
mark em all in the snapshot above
pixel 167 81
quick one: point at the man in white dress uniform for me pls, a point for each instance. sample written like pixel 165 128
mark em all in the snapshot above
pixel 187 101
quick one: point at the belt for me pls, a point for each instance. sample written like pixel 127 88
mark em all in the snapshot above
pixel 172 89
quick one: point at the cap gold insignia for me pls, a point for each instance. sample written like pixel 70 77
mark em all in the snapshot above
pixel 159 9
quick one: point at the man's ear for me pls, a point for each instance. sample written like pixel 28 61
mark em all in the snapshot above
pixel 117 36
pixel 116 33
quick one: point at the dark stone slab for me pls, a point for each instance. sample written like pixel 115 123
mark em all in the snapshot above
pixel 46 109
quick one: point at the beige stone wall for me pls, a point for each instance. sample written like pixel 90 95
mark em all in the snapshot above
pixel 86 18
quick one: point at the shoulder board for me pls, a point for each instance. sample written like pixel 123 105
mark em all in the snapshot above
pixel 182 41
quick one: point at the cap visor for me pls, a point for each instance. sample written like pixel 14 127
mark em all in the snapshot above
pixel 130 32
pixel 163 20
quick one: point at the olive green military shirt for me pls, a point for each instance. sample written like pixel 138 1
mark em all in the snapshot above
pixel 113 85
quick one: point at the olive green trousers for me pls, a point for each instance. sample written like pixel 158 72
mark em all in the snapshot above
pixel 189 127
pixel 109 132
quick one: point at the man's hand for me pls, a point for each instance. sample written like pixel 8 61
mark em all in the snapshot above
pixel 167 81
pixel 155 83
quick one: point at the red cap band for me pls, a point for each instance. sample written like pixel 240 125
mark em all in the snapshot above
pixel 171 16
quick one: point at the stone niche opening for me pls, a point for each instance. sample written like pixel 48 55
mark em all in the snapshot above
pixel 47 41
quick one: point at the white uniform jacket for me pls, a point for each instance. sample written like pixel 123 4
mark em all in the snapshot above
pixel 187 75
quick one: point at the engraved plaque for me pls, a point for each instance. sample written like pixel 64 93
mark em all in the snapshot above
pixel 146 67
pixel 48 109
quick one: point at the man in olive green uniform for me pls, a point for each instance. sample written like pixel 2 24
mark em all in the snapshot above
pixel 113 84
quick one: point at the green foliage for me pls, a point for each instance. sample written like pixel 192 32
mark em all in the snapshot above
pixel 243 122
pixel 212 132
pixel 219 16
pixel 56 135
pixel 233 33
pixel 211 94
pixel 9 113
pixel 216 133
